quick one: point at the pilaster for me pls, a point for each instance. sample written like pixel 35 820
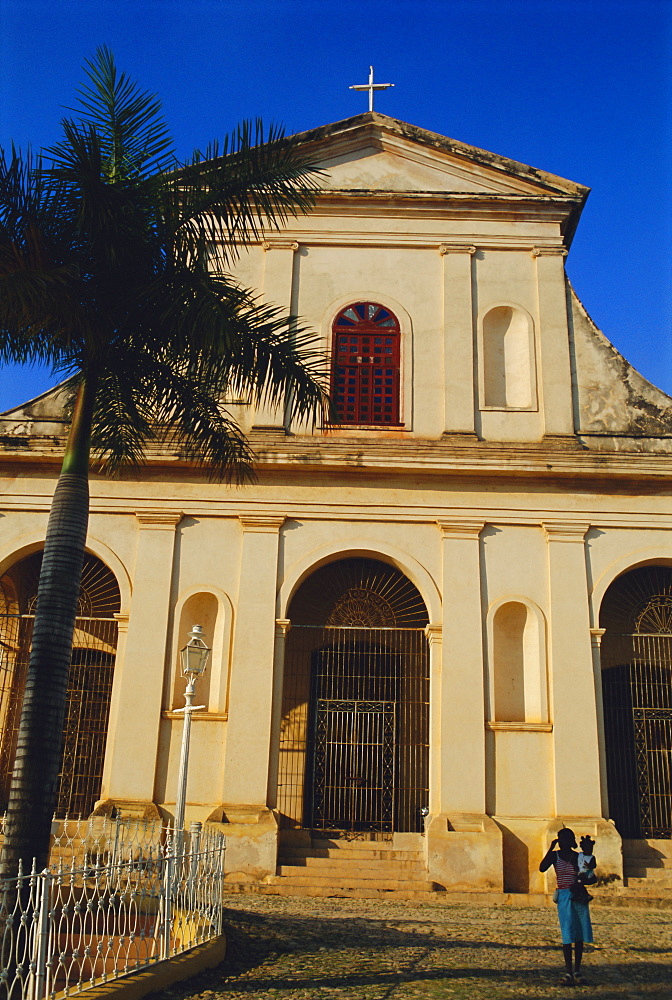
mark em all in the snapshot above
pixel 458 338
pixel 572 681
pixel 278 277
pixel 249 729
pixel 135 710
pixel 459 728
pixel 282 627
pixel 556 367
pixel 596 635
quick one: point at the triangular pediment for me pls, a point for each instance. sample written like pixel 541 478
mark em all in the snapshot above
pixel 377 153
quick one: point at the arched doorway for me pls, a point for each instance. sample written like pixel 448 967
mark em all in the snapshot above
pixel 354 739
pixel 89 683
pixel 637 697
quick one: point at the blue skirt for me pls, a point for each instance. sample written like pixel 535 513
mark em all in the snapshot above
pixel 574 919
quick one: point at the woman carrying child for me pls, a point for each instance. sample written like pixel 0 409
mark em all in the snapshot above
pixel 572 872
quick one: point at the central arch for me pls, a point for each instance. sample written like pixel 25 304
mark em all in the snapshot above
pixel 354 738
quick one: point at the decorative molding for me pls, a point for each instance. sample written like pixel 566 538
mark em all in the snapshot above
pixel 596 636
pixel 549 252
pixel 467 528
pixel 565 531
pixel 178 713
pixel 122 622
pixel 159 519
pixel 279 245
pixel 434 634
pixel 282 627
pixel 519 727
pixel 445 248
pixel 269 523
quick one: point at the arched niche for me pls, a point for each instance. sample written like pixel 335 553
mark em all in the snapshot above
pixel 507 352
pixel 518 688
pixel 212 610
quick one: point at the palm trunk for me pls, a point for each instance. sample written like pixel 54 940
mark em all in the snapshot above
pixel 33 793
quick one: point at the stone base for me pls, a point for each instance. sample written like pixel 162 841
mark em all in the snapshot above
pixel 608 847
pixel 251 841
pixel 127 809
pixel 464 852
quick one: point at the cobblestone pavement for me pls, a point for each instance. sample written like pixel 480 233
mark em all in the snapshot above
pixel 300 949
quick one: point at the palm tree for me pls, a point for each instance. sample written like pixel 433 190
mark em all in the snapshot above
pixel 113 269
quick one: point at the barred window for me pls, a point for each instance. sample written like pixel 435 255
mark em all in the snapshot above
pixel 366 363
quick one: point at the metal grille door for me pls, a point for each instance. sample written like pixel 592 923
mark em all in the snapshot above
pixel 637 698
pixel 353 770
pixel 354 742
pixel 88 707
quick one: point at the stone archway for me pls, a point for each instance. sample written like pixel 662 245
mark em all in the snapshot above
pixel 354 738
pixel 89 683
pixel 636 658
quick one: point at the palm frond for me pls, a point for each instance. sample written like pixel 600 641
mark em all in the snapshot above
pixel 254 181
pixel 134 137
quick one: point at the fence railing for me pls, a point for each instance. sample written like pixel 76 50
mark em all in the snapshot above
pixel 121 902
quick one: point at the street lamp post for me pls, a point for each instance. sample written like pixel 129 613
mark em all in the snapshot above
pixel 193 660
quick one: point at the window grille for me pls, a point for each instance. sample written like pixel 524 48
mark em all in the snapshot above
pixel 366 365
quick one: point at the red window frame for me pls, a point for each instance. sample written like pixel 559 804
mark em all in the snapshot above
pixel 365 374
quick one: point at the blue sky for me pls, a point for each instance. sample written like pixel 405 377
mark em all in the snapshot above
pixel 582 88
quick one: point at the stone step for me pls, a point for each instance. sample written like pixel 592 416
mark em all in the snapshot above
pixel 645 890
pixel 654 880
pixel 336 865
pixel 284 889
pixel 658 875
pixel 349 854
pixel 342 844
pixel 655 864
pixel 334 870
pixel 350 881
pixel 623 897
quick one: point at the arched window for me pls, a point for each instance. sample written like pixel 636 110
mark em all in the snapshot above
pixel 366 361
pixel 89 682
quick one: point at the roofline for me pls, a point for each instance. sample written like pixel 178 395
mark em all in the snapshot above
pixel 440 142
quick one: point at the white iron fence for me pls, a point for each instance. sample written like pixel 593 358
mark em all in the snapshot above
pixel 116 898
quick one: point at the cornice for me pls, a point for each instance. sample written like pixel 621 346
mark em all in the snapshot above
pixel 434 634
pixel 460 527
pixel 519 727
pixel 596 637
pixel 266 523
pixel 159 520
pixel 380 453
pixel 279 244
pixel 445 248
pixel 565 531
pixel 549 252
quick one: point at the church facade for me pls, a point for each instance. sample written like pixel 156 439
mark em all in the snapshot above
pixel 445 619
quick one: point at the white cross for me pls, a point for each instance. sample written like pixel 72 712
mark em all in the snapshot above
pixel 371 86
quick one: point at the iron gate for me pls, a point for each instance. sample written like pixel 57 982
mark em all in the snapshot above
pixel 354 741
pixel 88 706
pixel 637 698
